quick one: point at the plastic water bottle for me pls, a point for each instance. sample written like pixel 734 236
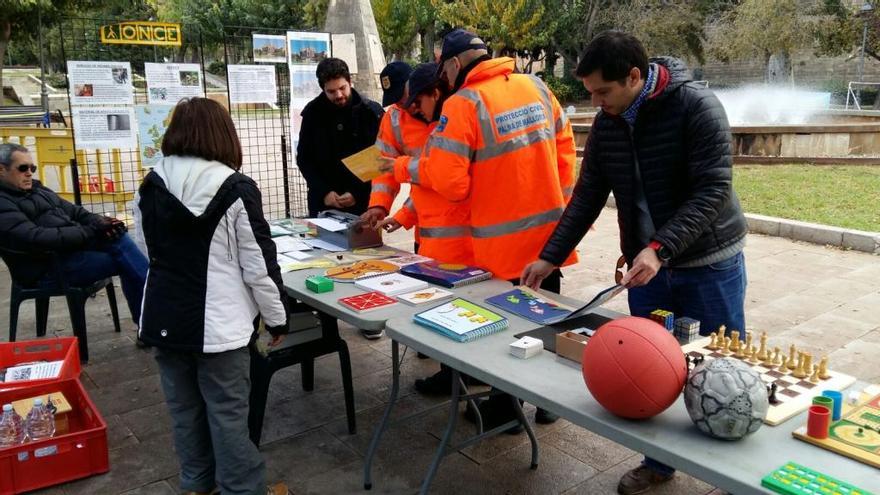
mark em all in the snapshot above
pixel 40 422
pixel 11 427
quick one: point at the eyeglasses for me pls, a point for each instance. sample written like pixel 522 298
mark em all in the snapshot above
pixel 619 270
pixel 24 167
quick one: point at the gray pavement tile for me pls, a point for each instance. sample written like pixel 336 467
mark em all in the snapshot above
pixel 156 488
pixel 606 482
pixel 858 358
pixel 132 467
pixel 349 479
pixel 123 397
pixel 556 472
pixel 149 421
pixel 134 366
pixel 865 308
pixel 304 456
pixel 290 417
pixel 588 447
pixel 798 309
pixel 118 433
pixel 822 334
pixel 869 273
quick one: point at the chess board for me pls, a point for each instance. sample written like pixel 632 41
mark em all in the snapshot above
pixel 856 434
pixel 794 394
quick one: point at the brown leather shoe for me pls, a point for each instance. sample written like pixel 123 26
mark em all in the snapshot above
pixel 277 489
pixel 641 480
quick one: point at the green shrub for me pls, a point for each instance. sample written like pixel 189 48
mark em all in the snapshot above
pixel 566 89
pixel 217 68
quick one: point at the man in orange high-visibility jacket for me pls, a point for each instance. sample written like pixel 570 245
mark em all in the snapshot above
pixel 443 225
pixel 400 133
pixel 504 143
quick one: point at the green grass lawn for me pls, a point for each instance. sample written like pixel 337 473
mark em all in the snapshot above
pixel 842 196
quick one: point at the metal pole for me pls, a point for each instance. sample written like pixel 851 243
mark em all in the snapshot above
pixel 858 97
pixel 44 93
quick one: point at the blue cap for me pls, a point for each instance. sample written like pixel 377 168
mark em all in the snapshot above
pixel 458 41
pixel 423 77
pixel 393 78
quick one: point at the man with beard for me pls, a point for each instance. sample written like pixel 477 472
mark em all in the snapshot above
pixel 337 123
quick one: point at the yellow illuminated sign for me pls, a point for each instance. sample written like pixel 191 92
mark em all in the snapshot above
pixel 142 33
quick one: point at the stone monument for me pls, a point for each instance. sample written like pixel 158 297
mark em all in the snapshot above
pixel 356 16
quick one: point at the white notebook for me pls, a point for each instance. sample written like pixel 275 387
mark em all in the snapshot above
pixel 391 284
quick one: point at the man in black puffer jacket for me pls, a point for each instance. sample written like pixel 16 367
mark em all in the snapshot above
pixel 662 144
pixel 34 221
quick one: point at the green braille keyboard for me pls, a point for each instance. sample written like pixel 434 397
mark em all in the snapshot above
pixel 794 479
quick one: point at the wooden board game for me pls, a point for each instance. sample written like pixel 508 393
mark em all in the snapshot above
pixel 793 395
pixel 856 434
pixel 361 269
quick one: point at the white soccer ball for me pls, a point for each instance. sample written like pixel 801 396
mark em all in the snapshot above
pixel 726 398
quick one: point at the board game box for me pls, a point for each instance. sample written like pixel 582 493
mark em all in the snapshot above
pixel 856 434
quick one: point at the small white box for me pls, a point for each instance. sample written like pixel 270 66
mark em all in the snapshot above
pixel 526 347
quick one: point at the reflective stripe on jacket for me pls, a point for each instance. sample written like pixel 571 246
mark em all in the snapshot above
pixel 503 143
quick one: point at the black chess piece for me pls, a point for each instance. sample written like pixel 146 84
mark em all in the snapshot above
pixel 772 397
pixel 339 256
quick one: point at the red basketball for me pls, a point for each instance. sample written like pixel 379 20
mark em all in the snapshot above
pixel 634 367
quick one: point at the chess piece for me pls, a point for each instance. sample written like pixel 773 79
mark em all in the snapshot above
pixel 799 371
pixel 814 378
pixel 748 341
pixel 792 358
pixel 713 346
pixel 772 397
pixel 777 358
pixel 722 332
pixel 823 368
pixel 734 341
pixel 725 349
pixel 753 355
pixel 808 363
pixel 763 355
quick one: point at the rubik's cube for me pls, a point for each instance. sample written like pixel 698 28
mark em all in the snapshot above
pixel 663 317
pixel 686 329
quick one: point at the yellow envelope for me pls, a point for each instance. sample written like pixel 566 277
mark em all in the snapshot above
pixel 364 164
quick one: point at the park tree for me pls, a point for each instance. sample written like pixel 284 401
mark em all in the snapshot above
pixel 396 22
pixel 20 21
pixel 770 30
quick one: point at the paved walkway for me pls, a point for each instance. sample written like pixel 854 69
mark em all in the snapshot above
pixel 823 299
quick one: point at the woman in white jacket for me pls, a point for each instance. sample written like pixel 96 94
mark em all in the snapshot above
pixel 213 271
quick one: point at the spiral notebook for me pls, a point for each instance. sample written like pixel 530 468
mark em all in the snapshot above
pixel 461 320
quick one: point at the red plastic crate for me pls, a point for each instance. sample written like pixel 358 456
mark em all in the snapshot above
pixel 51 349
pixel 80 453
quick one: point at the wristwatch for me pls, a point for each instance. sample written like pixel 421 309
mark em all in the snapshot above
pixel 661 250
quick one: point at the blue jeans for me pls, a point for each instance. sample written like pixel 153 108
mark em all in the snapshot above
pixel 713 294
pixel 103 260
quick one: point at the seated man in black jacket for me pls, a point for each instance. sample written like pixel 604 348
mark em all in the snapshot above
pixel 663 146
pixel 337 123
pixel 35 220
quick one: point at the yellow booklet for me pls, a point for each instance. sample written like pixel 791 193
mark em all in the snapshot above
pixel 364 164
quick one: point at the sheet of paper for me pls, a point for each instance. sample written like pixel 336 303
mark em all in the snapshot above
pixel 344 47
pixel 270 48
pixel 328 224
pixel 167 84
pixel 34 371
pixel 364 164
pixel 100 83
pixel 104 128
pixel 322 244
pixel 285 244
pixel 252 84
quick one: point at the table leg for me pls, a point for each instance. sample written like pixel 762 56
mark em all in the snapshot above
pixel 447 435
pixel 472 403
pixel 377 435
pixel 522 419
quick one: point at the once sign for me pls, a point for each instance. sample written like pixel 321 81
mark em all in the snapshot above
pixel 142 33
